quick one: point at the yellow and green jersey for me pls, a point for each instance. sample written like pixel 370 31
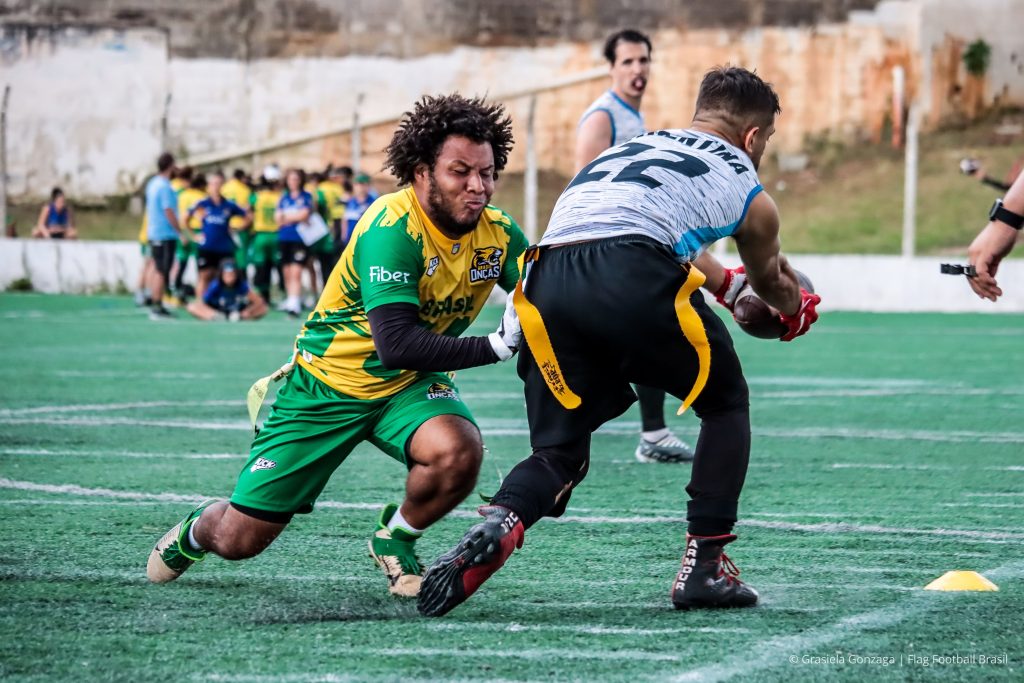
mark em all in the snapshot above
pixel 263 211
pixel 396 255
pixel 333 194
pixel 188 198
pixel 178 185
pixel 144 229
pixel 238 192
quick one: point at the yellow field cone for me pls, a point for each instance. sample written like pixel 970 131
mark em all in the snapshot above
pixel 961 581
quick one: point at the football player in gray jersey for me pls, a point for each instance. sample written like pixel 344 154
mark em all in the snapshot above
pixel 608 309
pixel 614 118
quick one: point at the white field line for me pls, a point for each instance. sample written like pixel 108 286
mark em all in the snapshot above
pixel 988 494
pixel 543 654
pixel 124 454
pixel 585 629
pixel 983 505
pixel 923 468
pixel 825 527
pixel 840 527
pixel 263 578
pixel 330 678
pixel 774 652
pixel 122 374
pixel 111 407
pixel 498 427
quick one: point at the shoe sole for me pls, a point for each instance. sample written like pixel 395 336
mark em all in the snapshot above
pixel 157 570
pixel 442 588
pixel 406 586
pixel 670 460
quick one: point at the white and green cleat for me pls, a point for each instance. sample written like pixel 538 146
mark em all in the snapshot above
pixel 171 555
pixel 395 553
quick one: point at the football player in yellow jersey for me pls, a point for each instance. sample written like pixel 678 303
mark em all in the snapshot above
pixel 333 192
pixel 187 198
pixel 371 357
pixel 237 190
pixel 263 249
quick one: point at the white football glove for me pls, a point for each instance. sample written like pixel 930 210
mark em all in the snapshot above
pixel 507 339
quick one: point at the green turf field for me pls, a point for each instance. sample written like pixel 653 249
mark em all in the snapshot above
pixel 887 450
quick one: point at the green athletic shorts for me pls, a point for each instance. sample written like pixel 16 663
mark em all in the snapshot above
pixel 312 428
pixel 184 251
pixel 244 237
pixel 263 249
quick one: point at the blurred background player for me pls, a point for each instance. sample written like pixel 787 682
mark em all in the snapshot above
pixel 239 191
pixel 142 296
pixel 216 241
pixel 189 196
pixel 996 240
pixel 340 194
pixel 363 195
pixel 641 211
pixel 228 297
pixel 295 206
pixel 322 251
pixel 371 361
pixel 263 250
pixel 163 230
pixel 56 219
pixel 612 119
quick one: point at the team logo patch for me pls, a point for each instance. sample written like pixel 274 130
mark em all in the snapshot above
pixel 432 266
pixel 486 264
pixel 262 464
pixel 441 390
pixel 456 247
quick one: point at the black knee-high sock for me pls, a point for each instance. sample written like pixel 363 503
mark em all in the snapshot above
pixel 652 408
pixel 542 484
pixel 719 470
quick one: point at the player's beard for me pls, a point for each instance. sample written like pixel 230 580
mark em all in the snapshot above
pixel 442 214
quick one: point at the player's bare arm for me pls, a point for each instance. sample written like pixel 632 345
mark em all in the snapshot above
pixel 767 269
pixel 592 138
pixel 994 243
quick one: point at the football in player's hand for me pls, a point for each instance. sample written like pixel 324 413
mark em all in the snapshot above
pixel 757 318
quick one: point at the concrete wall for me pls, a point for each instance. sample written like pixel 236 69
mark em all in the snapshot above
pixel 85 107
pixel 87 103
pixel 847 283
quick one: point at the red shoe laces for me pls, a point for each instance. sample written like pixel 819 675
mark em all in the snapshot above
pixel 728 569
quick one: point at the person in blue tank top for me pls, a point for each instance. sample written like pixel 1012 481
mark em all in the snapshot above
pixel 229 297
pixel 216 241
pixel 294 209
pixel 614 118
pixel 56 222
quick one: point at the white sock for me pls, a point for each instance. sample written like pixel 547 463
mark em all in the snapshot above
pixel 191 537
pixel 397 520
pixel 655 436
pixel 294 303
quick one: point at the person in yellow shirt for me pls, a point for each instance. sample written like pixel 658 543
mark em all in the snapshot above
pixel 238 190
pixel 263 249
pixel 372 357
pixel 187 198
pixel 334 194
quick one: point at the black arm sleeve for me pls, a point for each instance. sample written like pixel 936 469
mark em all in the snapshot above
pixel 998 184
pixel 402 344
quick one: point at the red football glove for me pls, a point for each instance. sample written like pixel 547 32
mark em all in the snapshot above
pixel 801 321
pixel 734 281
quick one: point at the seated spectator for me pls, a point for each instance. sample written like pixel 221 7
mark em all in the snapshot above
pixel 56 222
pixel 229 297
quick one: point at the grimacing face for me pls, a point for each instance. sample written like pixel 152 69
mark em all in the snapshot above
pixel 459 185
pixel 632 68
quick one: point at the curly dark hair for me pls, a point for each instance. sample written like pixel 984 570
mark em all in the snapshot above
pixel 423 131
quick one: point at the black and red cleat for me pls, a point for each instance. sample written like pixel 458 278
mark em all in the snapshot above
pixel 708 578
pixel 482 551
